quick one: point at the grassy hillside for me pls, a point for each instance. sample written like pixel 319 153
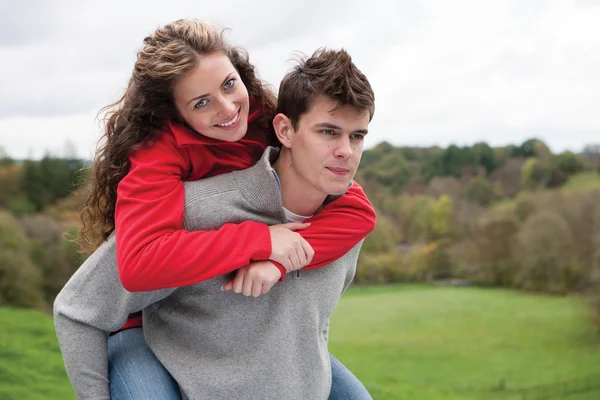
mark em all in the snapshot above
pixel 31 366
pixel 413 342
pixel 459 341
pixel 587 180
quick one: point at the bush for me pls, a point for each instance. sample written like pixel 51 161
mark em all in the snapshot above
pixel 524 206
pixel 379 268
pixel 546 258
pixel 480 191
pixel 384 238
pixel 55 257
pixel 535 174
pixel 20 281
pixel 430 262
pixel 494 239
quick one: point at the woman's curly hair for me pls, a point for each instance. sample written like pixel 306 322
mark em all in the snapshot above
pixel 168 54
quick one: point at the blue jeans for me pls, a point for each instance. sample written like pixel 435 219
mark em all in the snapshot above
pixel 135 373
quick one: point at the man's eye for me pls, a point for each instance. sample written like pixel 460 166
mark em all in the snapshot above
pixel 357 136
pixel 229 83
pixel 201 103
pixel 328 131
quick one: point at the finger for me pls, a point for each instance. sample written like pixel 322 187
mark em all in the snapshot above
pixel 227 286
pixel 257 289
pixel 296 226
pixel 238 281
pixel 301 254
pixel 247 287
pixel 295 260
pixel 287 264
pixel 308 250
pixel 266 287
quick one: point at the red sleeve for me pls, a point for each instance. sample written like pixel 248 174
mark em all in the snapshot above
pixel 339 226
pixel 153 251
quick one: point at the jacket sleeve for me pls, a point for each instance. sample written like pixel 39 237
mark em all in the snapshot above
pixel 93 303
pixel 339 226
pixel 153 249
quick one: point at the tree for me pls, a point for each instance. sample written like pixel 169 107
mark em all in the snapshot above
pixel 20 281
pixel 11 176
pixel 422 219
pixel 33 185
pixel 591 153
pixel 535 174
pixel 509 176
pixel 531 148
pixel 390 170
pixel 384 238
pixel 569 163
pixel 5 159
pixel 480 191
pixel 545 248
pixel 448 185
pixel 484 155
pixel 442 217
pixel 50 179
pixel 494 240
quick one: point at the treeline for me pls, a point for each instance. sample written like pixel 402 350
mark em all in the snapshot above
pixel 512 216
pixel 30 186
pixel 515 216
pixel 484 173
pixel 38 209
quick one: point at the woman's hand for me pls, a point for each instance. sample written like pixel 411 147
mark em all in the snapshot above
pixel 254 279
pixel 288 248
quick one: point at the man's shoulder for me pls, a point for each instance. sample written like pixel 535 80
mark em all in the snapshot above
pixel 256 181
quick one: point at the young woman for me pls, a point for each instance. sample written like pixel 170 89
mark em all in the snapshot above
pixel 194 108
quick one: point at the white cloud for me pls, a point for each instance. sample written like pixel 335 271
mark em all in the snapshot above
pixel 443 72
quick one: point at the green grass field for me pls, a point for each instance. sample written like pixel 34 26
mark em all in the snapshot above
pixel 31 366
pixel 586 180
pixel 449 343
pixel 404 342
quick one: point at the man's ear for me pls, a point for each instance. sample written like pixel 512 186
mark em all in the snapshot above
pixel 283 129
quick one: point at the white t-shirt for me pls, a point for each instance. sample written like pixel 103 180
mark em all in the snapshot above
pixel 291 217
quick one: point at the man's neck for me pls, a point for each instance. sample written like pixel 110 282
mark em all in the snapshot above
pixel 296 194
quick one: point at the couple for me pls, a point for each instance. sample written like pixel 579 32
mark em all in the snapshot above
pixel 195 109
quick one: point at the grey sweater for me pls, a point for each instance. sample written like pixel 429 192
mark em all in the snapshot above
pixel 217 345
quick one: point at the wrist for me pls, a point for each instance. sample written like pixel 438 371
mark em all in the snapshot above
pixel 280 268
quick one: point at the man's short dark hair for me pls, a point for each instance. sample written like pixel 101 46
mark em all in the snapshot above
pixel 329 73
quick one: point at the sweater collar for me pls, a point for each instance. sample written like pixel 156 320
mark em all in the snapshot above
pixel 260 187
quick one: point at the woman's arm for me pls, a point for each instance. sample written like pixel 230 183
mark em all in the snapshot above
pixel 333 232
pixel 339 226
pixel 153 251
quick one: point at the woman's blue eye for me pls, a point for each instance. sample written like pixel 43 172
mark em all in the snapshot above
pixel 201 103
pixel 229 83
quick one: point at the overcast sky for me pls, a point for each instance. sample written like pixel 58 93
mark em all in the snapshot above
pixel 443 71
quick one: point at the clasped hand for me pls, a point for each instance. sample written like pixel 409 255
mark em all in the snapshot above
pixel 289 249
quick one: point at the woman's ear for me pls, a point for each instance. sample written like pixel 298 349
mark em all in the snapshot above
pixel 283 129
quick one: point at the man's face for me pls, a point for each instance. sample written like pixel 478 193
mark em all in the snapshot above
pixel 327 145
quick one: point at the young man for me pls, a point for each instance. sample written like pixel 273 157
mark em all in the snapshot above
pixel 218 344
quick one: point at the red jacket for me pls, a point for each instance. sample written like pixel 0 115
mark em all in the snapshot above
pixel 154 252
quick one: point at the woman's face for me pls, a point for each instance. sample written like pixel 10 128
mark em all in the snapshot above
pixel 213 100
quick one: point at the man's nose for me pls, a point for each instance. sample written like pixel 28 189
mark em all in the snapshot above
pixel 344 149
